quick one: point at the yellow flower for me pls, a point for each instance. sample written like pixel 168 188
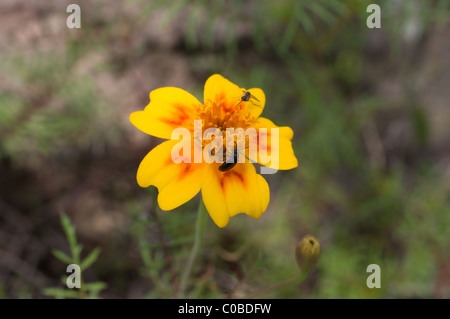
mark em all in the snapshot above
pixel 225 193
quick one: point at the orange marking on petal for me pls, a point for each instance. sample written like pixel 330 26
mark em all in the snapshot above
pixel 238 175
pixel 230 175
pixel 170 161
pixel 180 116
pixel 264 141
pixel 187 169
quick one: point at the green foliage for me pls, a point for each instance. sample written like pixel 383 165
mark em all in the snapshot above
pixel 214 24
pixel 86 290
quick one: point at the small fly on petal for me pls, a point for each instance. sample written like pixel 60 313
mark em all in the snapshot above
pixel 246 97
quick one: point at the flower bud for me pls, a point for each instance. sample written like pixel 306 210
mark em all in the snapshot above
pixel 307 253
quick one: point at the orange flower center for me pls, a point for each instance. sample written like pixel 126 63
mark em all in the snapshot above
pixel 222 115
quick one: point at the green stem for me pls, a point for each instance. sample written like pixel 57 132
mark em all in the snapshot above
pixel 199 230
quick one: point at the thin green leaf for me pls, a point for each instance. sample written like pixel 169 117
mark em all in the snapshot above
pixel 61 293
pixel 69 230
pixel 305 20
pixel 62 256
pixel 78 250
pixel 90 259
pixel 338 7
pixel 322 12
pixel 94 286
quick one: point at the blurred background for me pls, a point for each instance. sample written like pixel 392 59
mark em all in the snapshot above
pixel 369 108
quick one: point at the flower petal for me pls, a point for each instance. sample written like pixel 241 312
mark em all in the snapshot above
pixel 155 162
pixel 183 188
pixel 257 102
pixel 286 156
pixel 219 90
pixel 168 109
pixel 176 183
pixel 239 190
